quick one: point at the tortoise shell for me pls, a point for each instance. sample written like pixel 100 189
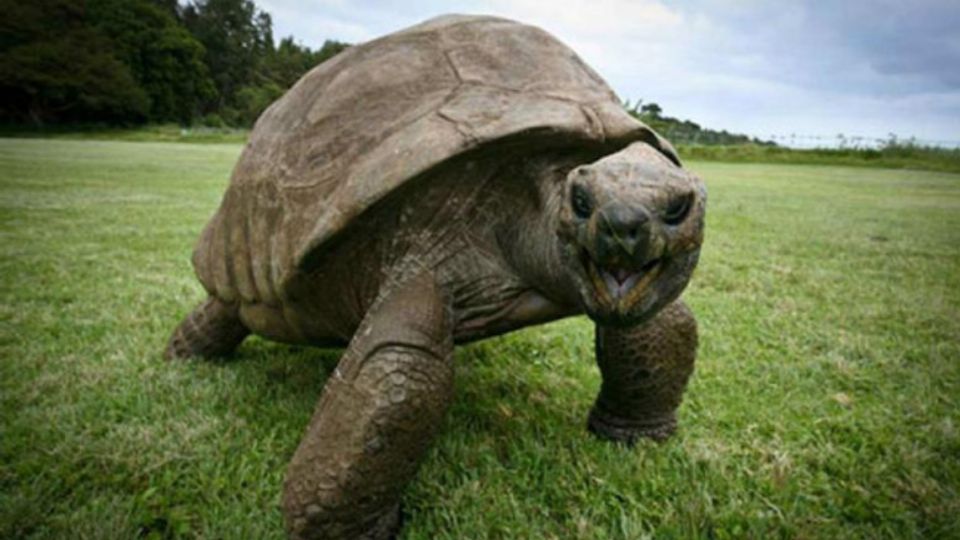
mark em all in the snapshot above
pixel 359 126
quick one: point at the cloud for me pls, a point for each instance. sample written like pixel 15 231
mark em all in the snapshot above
pixel 858 66
pixel 605 19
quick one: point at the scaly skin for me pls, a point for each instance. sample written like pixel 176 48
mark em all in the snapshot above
pixel 212 330
pixel 645 370
pixel 476 250
pixel 375 420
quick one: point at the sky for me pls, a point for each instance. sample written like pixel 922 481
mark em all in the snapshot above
pixel 804 68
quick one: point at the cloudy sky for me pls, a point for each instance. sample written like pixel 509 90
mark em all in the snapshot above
pixel 855 67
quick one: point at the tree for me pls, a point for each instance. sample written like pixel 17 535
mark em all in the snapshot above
pixel 249 72
pixel 651 109
pixel 170 7
pixel 123 61
pixel 55 68
pixel 164 58
pixel 236 36
pixel 291 60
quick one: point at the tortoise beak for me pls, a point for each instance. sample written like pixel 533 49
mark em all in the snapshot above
pixel 620 254
pixel 619 287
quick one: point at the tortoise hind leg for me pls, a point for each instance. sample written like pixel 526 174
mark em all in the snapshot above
pixel 211 330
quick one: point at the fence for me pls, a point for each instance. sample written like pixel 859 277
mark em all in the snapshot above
pixel 796 140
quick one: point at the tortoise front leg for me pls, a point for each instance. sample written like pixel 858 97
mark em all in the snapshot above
pixel 645 370
pixel 375 419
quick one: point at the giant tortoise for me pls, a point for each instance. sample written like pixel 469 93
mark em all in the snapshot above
pixel 452 181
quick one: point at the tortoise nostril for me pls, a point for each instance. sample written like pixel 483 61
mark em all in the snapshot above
pixel 624 228
pixel 625 222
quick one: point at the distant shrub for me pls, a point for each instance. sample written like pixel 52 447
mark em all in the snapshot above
pixel 213 120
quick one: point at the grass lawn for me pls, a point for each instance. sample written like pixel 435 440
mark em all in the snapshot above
pixel 895 156
pixel 825 402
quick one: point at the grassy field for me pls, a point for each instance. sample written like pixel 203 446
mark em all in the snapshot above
pixel 890 156
pixel 902 155
pixel 825 402
pixel 146 133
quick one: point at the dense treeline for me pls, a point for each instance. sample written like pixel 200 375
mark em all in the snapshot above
pixel 137 61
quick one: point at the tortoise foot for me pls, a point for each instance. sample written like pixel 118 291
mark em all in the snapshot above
pixel 316 525
pixel 387 526
pixel 628 430
pixel 212 330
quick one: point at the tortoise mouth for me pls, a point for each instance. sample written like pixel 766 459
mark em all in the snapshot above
pixel 618 287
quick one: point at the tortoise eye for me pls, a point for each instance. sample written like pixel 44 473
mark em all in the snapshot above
pixel 678 209
pixel 580 201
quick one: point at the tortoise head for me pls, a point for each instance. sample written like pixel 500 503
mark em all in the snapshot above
pixel 631 226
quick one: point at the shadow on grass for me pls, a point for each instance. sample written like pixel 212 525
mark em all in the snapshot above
pixel 499 394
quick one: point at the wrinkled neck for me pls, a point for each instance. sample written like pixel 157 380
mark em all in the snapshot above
pixel 529 242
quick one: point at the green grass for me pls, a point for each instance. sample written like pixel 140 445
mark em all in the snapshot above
pixel 825 402
pixel 891 156
pixel 147 133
